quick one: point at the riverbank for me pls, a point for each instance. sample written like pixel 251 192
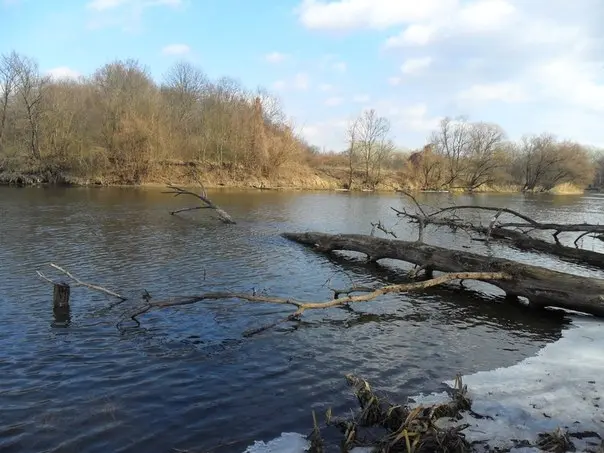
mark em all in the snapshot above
pixel 294 178
pixel 548 402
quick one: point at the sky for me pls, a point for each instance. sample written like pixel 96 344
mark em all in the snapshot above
pixel 531 66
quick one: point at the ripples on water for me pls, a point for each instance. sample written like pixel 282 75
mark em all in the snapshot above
pixel 186 378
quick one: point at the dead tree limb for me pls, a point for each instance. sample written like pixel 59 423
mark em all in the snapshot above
pixel 302 306
pixel 78 282
pixel 518 238
pixel 176 191
pixel 542 287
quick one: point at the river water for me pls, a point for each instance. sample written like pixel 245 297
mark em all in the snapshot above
pixel 187 378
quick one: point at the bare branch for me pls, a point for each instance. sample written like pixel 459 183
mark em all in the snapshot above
pixel 78 282
pixel 382 228
pixel 302 306
pixel 176 191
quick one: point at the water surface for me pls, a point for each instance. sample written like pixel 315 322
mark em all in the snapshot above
pixel 187 378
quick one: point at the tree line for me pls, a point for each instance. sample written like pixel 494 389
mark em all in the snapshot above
pixel 120 124
pixel 461 154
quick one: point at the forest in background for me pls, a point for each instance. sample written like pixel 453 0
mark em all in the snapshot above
pixel 119 126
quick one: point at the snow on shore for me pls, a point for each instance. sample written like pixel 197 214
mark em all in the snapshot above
pixel 562 386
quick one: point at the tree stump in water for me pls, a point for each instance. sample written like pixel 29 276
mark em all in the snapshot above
pixel 60 296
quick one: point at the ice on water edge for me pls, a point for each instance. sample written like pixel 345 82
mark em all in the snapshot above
pixel 562 386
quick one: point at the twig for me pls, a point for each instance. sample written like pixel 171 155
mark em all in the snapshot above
pixel 194 208
pixel 382 228
pixel 492 224
pixel 349 291
pixel 78 282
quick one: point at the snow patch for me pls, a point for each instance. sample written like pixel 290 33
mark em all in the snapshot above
pixel 286 443
pixel 562 386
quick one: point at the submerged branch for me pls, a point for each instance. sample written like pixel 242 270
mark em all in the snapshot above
pixel 176 191
pixel 302 306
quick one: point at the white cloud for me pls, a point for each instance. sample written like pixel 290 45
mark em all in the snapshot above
pixel 63 72
pixel 486 15
pixel 394 80
pixel 415 66
pixel 103 5
pixel 325 87
pixel 279 85
pixel 531 66
pixel 414 117
pixel 126 14
pixel 339 66
pixel 361 98
pixel 301 81
pixel 275 57
pixel 329 133
pixel 470 18
pixel 496 91
pixel 373 14
pixel 418 34
pixel 176 49
pixel 571 82
pixel 333 101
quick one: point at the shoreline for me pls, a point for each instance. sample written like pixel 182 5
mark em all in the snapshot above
pixel 23 180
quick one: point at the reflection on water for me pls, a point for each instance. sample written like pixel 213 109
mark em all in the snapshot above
pixel 187 379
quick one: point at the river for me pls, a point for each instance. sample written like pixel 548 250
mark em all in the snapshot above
pixel 187 378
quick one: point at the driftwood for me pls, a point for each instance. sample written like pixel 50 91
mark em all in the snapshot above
pixel 515 234
pixel 517 239
pixel 207 203
pixel 300 306
pixel 542 287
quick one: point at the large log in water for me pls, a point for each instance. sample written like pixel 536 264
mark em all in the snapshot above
pixel 542 287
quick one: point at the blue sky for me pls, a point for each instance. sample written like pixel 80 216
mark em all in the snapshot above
pixel 529 65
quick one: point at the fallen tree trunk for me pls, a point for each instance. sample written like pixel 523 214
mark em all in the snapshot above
pixel 542 287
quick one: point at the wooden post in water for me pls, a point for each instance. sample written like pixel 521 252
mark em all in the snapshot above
pixel 60 296
pixel 60 303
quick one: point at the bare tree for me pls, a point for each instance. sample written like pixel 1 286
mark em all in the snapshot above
pixel 372 134
pixel 451 141
pixel 184 84
pixel 30 88
pixel 483 144
pixel 427 168
pixel 8 82
pixel 352 150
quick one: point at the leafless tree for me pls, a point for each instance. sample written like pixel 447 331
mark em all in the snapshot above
pixel 30 86
pixel 372 135
pixel 8 82
pixel 451 141
pixel 427 168
pixel 483 144
pixel 352 150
